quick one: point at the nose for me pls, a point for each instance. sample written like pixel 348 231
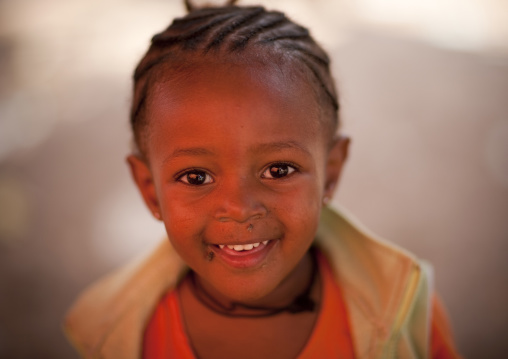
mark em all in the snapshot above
pixel 239 201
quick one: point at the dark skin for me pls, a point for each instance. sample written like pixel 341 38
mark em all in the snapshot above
pixel 238 155
pixel 218 336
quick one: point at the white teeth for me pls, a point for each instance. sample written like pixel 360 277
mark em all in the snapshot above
pixel 242 247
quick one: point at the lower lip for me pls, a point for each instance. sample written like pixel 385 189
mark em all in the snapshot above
pixel 244 259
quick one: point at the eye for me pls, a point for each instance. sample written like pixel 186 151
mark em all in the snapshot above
pixel 278 170
pixel 195 178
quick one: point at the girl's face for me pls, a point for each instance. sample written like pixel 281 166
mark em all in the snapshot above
pixel 237 156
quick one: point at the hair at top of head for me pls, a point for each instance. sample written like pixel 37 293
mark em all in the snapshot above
pixel 231 30
pixel 191 7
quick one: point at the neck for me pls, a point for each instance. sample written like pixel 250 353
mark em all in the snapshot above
pixel 292 294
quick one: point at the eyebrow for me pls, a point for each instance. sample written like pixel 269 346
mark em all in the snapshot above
pixel 188 151
pixel 263 148
pixel 278 146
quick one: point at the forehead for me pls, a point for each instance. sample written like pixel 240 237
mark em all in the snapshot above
pixel 230 85
pixel 247 102
pixel 197 80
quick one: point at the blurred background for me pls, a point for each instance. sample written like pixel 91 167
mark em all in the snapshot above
pixel 424 90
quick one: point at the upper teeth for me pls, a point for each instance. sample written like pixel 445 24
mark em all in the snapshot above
pixel 242 247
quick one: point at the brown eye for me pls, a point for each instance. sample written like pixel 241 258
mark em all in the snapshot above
pixel 278 170
pixel 196 178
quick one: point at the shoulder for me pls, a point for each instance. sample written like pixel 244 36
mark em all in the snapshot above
pixel 116 307
pixel 359 256
pixel 387 289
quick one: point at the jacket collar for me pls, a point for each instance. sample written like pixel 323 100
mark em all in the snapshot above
pixel 380 283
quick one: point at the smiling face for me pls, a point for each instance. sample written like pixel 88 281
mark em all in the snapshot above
pixel 238 163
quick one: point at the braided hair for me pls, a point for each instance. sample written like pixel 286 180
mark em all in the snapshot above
pixel 231 31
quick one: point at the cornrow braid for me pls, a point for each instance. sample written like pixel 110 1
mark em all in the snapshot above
pixel 231 30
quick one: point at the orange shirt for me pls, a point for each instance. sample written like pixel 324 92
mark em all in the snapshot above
pixel 442 345
pixel 165 335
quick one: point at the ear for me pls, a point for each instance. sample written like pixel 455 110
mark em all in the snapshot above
pixel 143 178
pixel 337 156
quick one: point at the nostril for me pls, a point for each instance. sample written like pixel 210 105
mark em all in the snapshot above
pixel 238 204
pixel 240 217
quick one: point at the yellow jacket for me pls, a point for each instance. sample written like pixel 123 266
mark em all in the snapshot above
pixel 387 292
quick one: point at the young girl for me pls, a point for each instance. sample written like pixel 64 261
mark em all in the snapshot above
pixel 235 118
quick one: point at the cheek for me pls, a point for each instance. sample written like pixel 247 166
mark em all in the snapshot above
pixel 186 240
pixel 185 222
pixel 183 208
pixel 300 208
pixel 305 216
pixel 308 192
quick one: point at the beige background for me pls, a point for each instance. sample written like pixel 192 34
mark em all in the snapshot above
pixel 424 90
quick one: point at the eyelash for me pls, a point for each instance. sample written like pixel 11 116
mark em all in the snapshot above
pixel 293 168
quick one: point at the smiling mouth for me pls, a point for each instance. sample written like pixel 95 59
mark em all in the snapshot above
pixel 244 256
pixel 242 247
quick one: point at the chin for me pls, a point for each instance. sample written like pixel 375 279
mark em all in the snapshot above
pixel 247 291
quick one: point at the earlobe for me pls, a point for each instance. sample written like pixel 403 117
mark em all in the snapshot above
pixel 337 156
pixel 144 181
